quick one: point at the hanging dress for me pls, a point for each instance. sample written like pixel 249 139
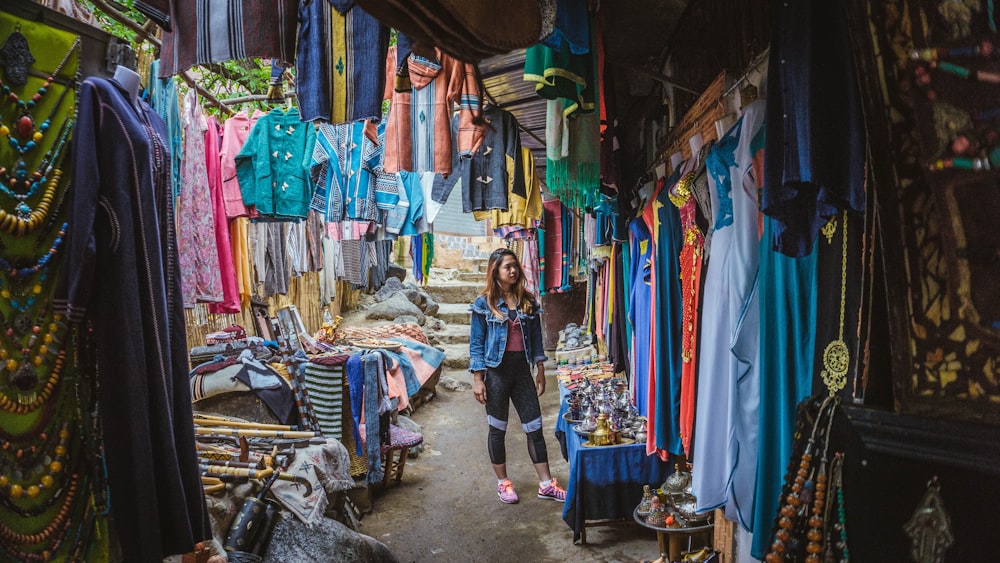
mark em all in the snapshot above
pixel 196 243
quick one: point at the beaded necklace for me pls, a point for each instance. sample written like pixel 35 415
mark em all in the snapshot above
pixel 23 454
pixel 40 265
pixel 22 405
pixel 49 470
pixel 25 127
pixel 837 534
pixel 19 181
pixel 56 531
pixel 20 226
pixel 789 529
pixel 23 373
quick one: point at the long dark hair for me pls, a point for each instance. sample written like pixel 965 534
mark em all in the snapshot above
pixel 494 291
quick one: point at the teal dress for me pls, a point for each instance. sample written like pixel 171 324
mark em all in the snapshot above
pixel 668 325
pixel 787 340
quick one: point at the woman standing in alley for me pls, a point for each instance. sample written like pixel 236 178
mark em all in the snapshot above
pixel 506 341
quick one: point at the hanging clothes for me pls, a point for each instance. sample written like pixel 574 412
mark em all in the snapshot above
pixel 572 27
pixel 343 166
pixel 341 50
pixel 124 282
pixel 270 256
pixel 554 233
pixel 748 178
pixel 484 177
pixel 663 221
pixel 213 32
pixel 691 275
pixel 411 189
pixel 234 135
pixel 273 166
pixel 787 295
pixel 529 263
pixel 619 339
pixel 557 73
pixel 418 134
pixel 163 98
pixel 728 283
pixel 314 245
pixel 196 244
pixel 223 243
pixel 640 298
pixel 524 210
pixel 239 235
pixel 812 175
pixel 328 275
pixel 297 247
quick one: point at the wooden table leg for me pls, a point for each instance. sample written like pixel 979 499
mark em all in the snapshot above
pixel 661 541
pixel 675 546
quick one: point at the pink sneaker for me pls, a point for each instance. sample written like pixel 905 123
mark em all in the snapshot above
pixel 552 491
pixel 505 490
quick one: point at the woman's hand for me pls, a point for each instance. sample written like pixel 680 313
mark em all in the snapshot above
pixel 479 388
pixel 540 379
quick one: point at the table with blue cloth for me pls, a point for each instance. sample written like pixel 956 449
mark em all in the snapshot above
pixel 605 483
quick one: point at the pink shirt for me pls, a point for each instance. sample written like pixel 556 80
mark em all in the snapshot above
pixel 515 337
pixel 234 135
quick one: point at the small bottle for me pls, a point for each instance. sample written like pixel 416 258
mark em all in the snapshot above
pixel 646 503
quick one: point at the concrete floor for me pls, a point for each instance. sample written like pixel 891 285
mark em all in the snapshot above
pixel 446 508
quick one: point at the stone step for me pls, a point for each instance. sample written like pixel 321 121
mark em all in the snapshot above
pixel 454 293
pixel 454 334
pixel 476 277
pixel 456 356
pixel 455 313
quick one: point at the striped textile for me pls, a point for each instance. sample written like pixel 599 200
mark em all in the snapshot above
pixel 326 391
pixel 418 135
pixel 529 263
pixel 352 254
pixel 341 50
pixel 215 31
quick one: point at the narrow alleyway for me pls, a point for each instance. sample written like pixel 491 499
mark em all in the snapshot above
pixel 446 509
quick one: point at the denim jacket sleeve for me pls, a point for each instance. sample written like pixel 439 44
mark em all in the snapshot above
pixel 477 340
pixel 537 346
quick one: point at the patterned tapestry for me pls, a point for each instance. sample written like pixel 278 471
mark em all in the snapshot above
pixel 930 79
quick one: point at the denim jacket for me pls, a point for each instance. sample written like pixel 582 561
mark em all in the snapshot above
pixel 488 340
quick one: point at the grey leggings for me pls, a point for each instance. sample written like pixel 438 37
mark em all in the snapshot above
pixel 511 382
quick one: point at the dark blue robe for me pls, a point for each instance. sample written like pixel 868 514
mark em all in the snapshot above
pixel 120 275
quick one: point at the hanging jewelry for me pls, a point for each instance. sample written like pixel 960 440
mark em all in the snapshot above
pixel 51 470
pixel 836 356
pixel 797 501
pixel 40 265
pixel 17 407
pixel 17 57
pixel 837 534
pixel 830 229
pixel 25 106
pixel 817 520
pixel 24 127
pixel 20 226
pixel 929 529
pixel 18 185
